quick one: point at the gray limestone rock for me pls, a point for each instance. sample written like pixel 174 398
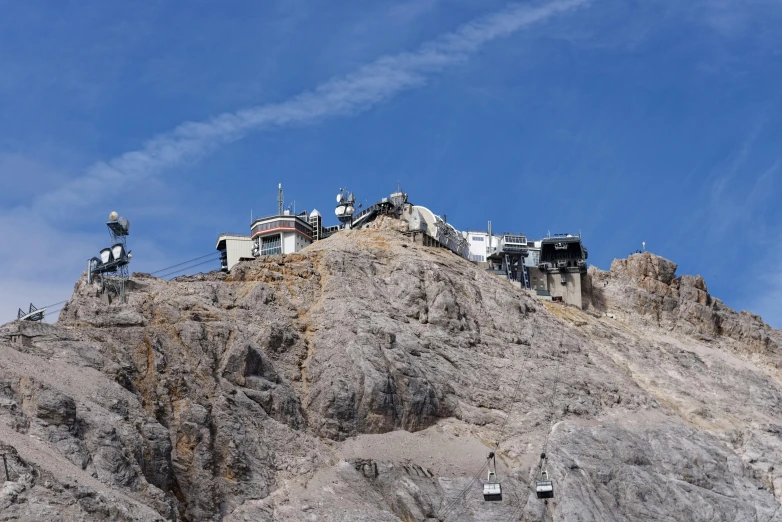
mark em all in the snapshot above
pixel 367 377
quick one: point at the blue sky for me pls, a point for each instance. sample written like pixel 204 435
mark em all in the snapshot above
pixel 630 121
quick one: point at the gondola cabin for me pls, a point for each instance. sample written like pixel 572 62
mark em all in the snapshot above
pixel 544 489
pixel 492 490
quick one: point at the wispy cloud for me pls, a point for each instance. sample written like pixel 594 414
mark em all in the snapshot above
pixel 27 224
pixel 343 96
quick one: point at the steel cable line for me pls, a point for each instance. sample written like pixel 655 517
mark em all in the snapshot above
pixel 185 268
pixel 553 398
pixel 512 402
pixel 183 263
pixel 47 312
pixel 450 507
pixel 152 273
pixel 518 511
pixel 56 310
pixel 444 512
pixel 55 304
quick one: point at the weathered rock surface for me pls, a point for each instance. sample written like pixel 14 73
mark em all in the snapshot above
pixel 367 377
pixel 645 287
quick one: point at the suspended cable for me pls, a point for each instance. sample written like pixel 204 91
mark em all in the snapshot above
pixel 52 312
pixel 553 398
pixel 516 513
pixel 446 511
pixel 544 486
pixel 519 510
pixel 183 268
pixel 168 268
pixel 510 406
pixel 55 304
pixel 184 263
pixel 162 276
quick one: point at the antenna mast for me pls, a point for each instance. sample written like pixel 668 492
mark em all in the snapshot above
pixel 279 200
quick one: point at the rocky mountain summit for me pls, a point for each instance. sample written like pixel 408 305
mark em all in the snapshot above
pixel 367 377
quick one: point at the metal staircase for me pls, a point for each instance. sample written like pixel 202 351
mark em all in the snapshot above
pixel 507 267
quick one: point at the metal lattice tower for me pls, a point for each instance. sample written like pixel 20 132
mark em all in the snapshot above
pixel 116 280
pixel 112 265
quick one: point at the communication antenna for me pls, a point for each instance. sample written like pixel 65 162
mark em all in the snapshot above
pixel 643 244
pixel 112 265
pixel 346 206
pixel 279 200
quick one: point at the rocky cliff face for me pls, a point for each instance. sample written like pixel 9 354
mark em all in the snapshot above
pixel 366 379
pixel 644 288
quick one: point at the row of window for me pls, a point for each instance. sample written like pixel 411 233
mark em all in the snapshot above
pixel 507 238
pixel 570 254
pixel 283 223
pixel 515 239
pixel 304 229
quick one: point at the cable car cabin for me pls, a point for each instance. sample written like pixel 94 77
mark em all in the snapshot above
pixel 492 490
pixel 544 489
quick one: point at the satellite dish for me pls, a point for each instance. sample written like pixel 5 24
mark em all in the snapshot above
pixel 349 210
pixel 339 211
pixel 113 216
pixel 340 198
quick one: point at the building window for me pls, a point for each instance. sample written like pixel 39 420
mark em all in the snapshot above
pixel 271 245
pixel 476 238
pixel 515 239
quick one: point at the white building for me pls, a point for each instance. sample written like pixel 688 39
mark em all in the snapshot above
pixel 233 248
pixel 278 234
pixel 283 234
pixel 480 243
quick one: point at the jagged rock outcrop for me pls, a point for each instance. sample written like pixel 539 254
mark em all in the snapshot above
pixel 367 377
pixel 646 285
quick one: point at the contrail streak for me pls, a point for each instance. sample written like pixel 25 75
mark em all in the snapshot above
pixel 342 96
